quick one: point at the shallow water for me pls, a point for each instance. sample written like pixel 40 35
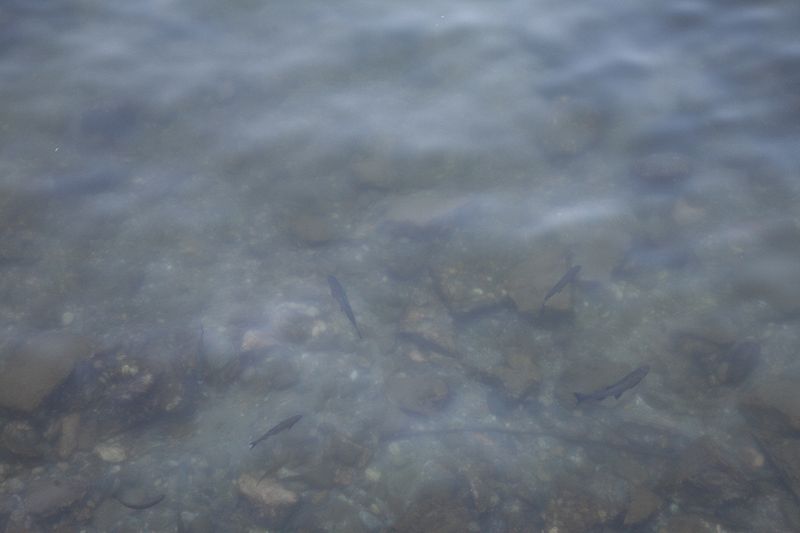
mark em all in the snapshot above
pixel 178 179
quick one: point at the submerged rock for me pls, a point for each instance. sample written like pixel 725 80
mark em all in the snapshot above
pixel 644 503
pixel 770 275
pixel 773 406
pixel 517 378
pixel 272 374
pixel 68 439
pixel 466 288
pixel 195 522
pixel 689 523
pixel 271 500
pixel 332 514
pixel 520 376
pixel 648 439
pixel 722 362
pixel 468 271
pixel 732 365
pixel 406 259
pixel 135 382
pixel 437 503
pixel 423 212
pixel 430 327
pixel 419 395
pixel 425 516
pixel 529 282
pixel 343 450
pixel 710 476
pixel 46 498
pixel 20 438
pixel 311 229
pixel 258 340
pixel 111 453
pixel 35 369
pixel 573 509
pixel 784 455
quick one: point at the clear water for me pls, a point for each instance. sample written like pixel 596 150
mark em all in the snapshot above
pixel 178 179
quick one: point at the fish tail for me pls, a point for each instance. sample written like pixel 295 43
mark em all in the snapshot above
pixel 580 397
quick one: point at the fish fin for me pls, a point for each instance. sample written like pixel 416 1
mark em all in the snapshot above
pixel 580 397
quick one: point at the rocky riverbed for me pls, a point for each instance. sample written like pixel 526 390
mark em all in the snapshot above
pixel 455 413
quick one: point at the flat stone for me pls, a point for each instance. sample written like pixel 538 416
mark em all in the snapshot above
pixel 46 498
pixel 423 212
pixel 270 499
pixel 258 340
pixel 773 406
pixel 111 453
pixel 34 370
pixel 419 395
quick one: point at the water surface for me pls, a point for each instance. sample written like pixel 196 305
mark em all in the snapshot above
pixel 178 180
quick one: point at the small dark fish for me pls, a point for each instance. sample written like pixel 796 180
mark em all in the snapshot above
pixel 616 390
pixel 570 277
pixel 337 291
pixel 155 500
pixel 282 426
